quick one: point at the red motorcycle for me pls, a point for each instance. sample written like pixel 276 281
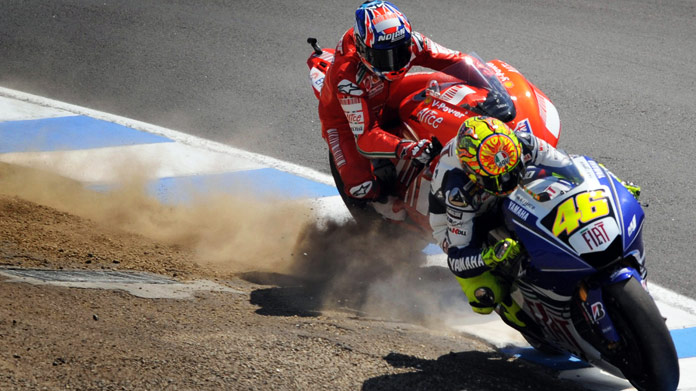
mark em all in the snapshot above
pixel 435 109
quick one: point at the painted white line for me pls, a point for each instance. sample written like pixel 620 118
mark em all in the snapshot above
pixel 109 165
pixel 679 310
pixel 144 290
pixel 173 135
pixel 17 110
pixel 687 374
pixel 596 379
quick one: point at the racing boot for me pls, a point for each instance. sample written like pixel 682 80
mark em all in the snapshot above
pixel 392 208
pixel 511 313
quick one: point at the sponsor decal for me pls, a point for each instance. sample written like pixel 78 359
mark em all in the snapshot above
pixel 352 107
pixel 355 117
pixel 502 159
pixel 455 94
pixel 429 117
pixel 455 197
pixel 552 192
pixel 498 73
pixel 471 262
pixel 524 202
pixel 509 67
pixel 445 108
pixel 523 126
pixel 335 146
pixel 597 169
pixel 361 190
pixel 350 104
pixel 595 236
pixel 349 88
pixel 393 37
pixel 456 231
pixel 518 210
pixel 632 227
pixel 317 78
pixel 445 245
pixel 376 87
pixel 386 17
pixel 598 311
pixel 339 46
pixel 558 327
pixel 454 217
pixel 357 129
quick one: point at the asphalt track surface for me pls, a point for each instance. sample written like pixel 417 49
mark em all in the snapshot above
pixel 621 74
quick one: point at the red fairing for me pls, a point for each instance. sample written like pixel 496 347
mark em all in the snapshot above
pixel 318 66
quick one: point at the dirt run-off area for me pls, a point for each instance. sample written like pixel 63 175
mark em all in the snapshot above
pixel 309 305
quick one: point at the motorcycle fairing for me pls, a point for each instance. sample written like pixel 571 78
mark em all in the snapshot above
pixel 537 112
pixel 571 219
pixel 318 66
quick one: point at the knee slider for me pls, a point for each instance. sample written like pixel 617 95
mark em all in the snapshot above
pixel 484 292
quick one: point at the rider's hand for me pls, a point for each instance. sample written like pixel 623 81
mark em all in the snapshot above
pixel 420 151
pixel 633 188
pixel 496 106
pixel 502 251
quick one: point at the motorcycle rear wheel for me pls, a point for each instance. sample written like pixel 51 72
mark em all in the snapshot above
pixel 647 356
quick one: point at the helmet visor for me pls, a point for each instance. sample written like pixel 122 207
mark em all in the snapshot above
pixel 388 60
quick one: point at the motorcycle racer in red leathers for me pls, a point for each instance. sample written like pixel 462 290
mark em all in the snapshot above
pixel 361 96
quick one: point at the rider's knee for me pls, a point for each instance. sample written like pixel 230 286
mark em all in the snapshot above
pixel 484 292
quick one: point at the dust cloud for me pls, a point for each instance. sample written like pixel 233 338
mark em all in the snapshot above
pixel 378 270
pixel 232 233
pixel 374 269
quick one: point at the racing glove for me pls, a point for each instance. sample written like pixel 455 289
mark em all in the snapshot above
pixel 420 151
pixel 502 251
pixel 496 106
pixel 630 186
pixel 633 188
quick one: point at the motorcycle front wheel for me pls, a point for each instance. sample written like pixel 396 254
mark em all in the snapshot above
pixel 646 354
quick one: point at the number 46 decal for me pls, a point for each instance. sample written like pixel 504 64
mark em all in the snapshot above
pixel 580 210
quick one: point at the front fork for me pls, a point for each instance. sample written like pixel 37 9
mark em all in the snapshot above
pixel 593 306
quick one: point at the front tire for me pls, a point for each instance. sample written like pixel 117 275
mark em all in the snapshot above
pixel 646 356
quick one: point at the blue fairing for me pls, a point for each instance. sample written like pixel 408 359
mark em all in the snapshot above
pixel 554 263
pixel 622 275
pixel 551 267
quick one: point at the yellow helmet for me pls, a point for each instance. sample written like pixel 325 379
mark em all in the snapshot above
pixel 491 154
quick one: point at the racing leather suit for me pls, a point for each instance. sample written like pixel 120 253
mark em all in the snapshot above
pixel 461 215
pixel 355 105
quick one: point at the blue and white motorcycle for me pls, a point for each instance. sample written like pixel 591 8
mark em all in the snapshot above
pixel 582 275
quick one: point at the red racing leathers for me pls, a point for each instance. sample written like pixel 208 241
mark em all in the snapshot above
pixel 355 104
